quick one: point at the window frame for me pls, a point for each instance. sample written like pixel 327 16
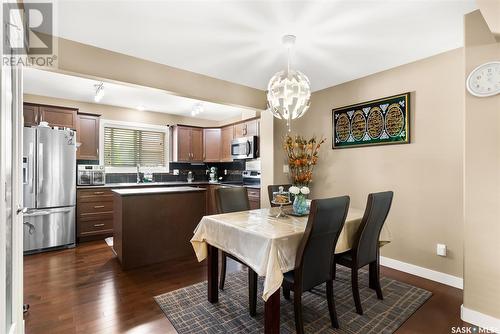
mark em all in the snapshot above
pixel 134 126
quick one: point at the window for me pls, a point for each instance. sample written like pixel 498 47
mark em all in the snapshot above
pixel 129 147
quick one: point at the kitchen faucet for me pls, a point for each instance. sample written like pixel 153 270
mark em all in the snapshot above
pixel 138 174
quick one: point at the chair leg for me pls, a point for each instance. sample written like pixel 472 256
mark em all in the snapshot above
pixel 334 270
pixel 331 304
pixel 355 290
pixel 222 277
pixel 286 293
pixel 252 292
pixel 374 270
pixel 297 307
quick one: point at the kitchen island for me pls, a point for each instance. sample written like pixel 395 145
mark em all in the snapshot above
pixel 155 224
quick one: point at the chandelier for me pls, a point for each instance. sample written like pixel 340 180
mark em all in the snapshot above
pixel 288 92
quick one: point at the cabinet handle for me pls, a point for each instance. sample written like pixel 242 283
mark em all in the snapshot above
pixel 98 206
pixel 98 225
pixel 98 192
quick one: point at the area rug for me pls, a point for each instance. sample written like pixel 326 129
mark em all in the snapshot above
pixel 189 311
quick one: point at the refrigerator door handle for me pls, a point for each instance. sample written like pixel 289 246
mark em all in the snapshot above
pixel 30 171
pixel 40 168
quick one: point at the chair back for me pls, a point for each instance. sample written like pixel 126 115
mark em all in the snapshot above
pixel 314 261
pixel 232 199
pixel 366 242
pixel 274 188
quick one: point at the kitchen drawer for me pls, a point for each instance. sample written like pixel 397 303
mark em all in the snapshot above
pixel 83 217
pixel 253 192
pixel 95 207
pixel 94 195
pixel 95 227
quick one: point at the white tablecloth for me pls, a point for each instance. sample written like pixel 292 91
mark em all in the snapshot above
pixel 266 244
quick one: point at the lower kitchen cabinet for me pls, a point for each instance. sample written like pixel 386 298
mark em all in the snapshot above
pixel 254 198
pixel 94 209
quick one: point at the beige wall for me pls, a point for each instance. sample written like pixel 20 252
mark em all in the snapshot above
pixel 425 175
pixel 482 179
pixel 121 114
pixel 85 60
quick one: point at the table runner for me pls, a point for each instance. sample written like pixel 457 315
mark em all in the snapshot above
pixel 268 245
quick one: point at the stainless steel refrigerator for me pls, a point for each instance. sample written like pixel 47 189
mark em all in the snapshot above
pixel 49 188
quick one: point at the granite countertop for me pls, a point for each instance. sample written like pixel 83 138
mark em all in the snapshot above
pixel 164 184
pixel 155 190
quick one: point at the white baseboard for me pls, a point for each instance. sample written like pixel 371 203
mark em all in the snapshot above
pixel 480 319
pixel 432 275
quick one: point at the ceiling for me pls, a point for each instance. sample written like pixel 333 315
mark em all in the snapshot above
pixel 63 86
pixel 240 41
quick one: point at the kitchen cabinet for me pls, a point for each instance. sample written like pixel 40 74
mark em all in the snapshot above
pixel 212 145
pixel 56 116
pixel 254 198
pixel 187 144
pixel 30 113
pixel 87 135
pixel 246 129
pixel 94 208
pixel 227 135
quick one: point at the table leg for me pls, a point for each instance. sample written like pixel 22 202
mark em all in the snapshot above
pixel 252 292
pixel 212 273
pixel 272 314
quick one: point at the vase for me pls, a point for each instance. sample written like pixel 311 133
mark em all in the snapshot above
pixel 300 204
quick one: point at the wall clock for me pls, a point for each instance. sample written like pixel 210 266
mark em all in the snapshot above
pixel 484 80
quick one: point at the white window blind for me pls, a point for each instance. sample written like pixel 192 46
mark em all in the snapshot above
pixel 129 147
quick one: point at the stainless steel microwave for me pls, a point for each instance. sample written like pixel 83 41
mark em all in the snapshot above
pixel 245 148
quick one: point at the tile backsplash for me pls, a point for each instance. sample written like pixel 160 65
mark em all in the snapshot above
pixel 234 172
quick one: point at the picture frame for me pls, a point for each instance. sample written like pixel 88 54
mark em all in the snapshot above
pixel 384 121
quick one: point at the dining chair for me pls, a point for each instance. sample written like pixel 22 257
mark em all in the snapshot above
pixel 234 199
pixel 365 250
pixel 313 266
pixel 274 188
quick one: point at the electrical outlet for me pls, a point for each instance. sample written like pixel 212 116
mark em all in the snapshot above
pixel 441 249
pixel 286 170
pixel 176 172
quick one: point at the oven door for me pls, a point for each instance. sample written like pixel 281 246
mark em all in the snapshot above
pixel 84 178
pixel 243 148
pixel 98 178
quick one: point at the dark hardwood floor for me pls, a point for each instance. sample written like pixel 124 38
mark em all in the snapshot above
pixel 84 290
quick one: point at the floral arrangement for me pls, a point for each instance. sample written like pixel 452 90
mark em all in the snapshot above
pixel 296 190
pixel 302 157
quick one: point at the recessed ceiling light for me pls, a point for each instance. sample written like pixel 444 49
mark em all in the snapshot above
pixel 99 92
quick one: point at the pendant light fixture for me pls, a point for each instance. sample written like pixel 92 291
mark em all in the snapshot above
pixel 288 92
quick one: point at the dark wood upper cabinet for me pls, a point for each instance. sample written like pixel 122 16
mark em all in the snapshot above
pixel 212 145
pixel 246 129
pixel 55 116
pixel 58 116
pixel 187 144
pixel 227 134
pixel 87 134
pixel 197 144
pixel 30 114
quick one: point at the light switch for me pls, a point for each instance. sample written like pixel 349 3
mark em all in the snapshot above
pixel 286 170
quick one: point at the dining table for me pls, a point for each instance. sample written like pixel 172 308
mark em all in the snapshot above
pixel 267 244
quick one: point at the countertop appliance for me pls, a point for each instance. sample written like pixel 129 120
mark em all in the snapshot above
pixel 245 148
pixel 49 188
pixel 91 175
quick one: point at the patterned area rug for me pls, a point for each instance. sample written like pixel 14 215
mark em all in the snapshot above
pixel 190 312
